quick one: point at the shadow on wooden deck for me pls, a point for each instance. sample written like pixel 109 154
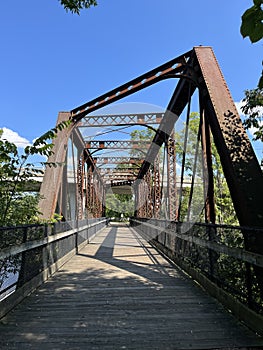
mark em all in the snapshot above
pixel 119 293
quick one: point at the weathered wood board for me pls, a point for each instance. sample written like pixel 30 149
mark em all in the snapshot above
pixel 119 293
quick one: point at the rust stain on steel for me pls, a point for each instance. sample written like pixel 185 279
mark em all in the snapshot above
pixel 197 68
pixel 117 144
pixel 121 119
pixel 53 176
pixel 176 66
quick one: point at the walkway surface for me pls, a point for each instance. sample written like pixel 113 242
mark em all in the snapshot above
pixel 119 293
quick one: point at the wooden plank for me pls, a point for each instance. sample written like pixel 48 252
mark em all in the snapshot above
pixel 14 299
pixel 120 293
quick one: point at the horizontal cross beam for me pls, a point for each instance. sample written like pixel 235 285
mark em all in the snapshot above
pixel 117 144
pixel 121 183
pixel 121 119
pixel 117 160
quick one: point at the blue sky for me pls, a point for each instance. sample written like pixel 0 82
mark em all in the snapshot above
pixel 53 61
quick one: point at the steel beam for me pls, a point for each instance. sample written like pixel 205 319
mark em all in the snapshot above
pixel 110 170
pixel 95 189
pixel 241 167
pixel 209 193
pixel 239 162
pixel 89 192
pixel 114 183
pixel 52 179
pixel 80 186
pixel 117 144
pixel 117 160
pixel 173 67
pixel 171 180
pixel 157 191
pixel 118 177
pixel 197 68
pixel 121 119
pixel 184 89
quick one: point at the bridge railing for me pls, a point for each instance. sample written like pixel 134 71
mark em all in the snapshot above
pixel 30 254
pixel 214 255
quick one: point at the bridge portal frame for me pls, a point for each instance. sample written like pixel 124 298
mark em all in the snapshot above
pixel 196 69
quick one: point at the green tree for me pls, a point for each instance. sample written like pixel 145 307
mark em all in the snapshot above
pixel 17 206
pixel 189 160
pixel 253 109
pixel 75 6
pixel 118 204
pixel 225 213
pixel 252 27
pixel 141 137
pixel 124 203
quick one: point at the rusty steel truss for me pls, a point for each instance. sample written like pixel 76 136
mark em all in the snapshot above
pixel 79 187
pixel 117 160
pixel 195 69
pixel 120 119
pixel 117 144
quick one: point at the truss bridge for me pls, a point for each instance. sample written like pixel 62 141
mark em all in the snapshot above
pixel 159 239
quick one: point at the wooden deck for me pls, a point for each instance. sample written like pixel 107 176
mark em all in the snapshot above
pixel 119 293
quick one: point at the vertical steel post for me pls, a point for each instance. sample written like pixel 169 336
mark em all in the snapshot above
pixel 89 190
pixel 210 216
pixel 80 187
pixel 156 188
pixel 171 179
pixel 149 198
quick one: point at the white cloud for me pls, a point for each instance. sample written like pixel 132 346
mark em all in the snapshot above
pixel 260 109
pixel 241 103
pixel 238 106
pixel 14 137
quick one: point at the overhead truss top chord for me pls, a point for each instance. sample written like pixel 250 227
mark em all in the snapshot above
pixel 175 66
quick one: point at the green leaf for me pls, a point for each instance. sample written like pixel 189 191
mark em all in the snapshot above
pixel 252 25
pixel 15 172
pixel 75 6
